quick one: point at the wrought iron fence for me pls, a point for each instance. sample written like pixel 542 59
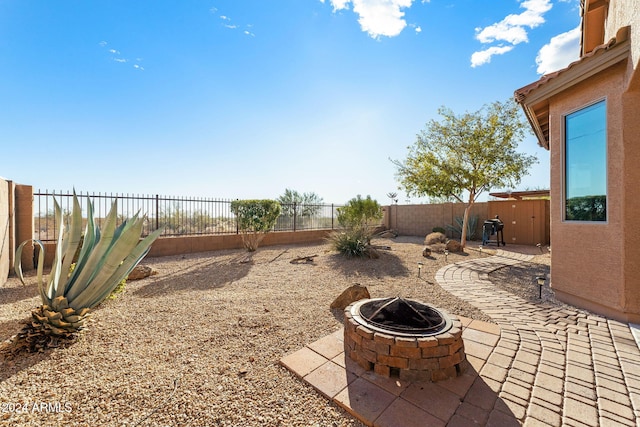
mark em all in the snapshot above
pixel 177 216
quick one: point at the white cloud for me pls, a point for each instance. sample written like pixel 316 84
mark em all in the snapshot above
pixel 339 4
pixel 513 29
pixel 377 17
pixel 484 56
pixel 249 33
pixel 115 52
pixel 120 59
pixel 138 67
pixel 103 43
pixel 561 50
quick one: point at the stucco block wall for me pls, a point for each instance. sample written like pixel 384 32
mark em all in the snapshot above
pixel 23 197
pixel 419 220
pixel 588 258
pixel 167 246
pixel 5 247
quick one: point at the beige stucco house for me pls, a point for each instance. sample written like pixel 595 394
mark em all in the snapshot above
pixel 588 116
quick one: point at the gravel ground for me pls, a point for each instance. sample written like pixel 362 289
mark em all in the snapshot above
pixel 199 343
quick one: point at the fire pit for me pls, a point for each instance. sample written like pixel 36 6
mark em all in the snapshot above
pixel 411 340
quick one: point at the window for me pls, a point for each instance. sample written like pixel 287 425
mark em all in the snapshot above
pixel 586 164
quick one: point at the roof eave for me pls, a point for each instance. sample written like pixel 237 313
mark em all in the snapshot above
pixel 537 94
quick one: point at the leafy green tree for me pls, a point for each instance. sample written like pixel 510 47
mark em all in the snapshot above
pixel 472 153
pixel 304 204
pixel 255 219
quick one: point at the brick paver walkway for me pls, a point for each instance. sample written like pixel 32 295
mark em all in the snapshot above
pixel 552 365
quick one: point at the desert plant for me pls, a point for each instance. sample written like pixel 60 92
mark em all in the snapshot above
pixel 105 259
pixel 359 212
pixel 351 242
pixel 255 218
pixel 433 238
pixel 456 227
pixel 354 242
pixel 438 230
pixel 359 217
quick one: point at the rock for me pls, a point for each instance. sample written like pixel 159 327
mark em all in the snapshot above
pixel 388 234
pixel 140 272
pixel 426 252
pixel 454 246
pixel 351 294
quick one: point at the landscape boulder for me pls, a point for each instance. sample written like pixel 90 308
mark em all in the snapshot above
pixel 351 294
pixel 140 272
pixel 454 246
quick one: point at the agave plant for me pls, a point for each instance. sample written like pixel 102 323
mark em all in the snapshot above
pixel 104 259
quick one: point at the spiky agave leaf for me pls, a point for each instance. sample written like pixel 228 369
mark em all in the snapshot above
pixel 18 261
pixel 71 241
pixel 122 256
pixel 103 262
pixel 89 260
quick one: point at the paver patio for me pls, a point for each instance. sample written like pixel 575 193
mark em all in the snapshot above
pixel 541 364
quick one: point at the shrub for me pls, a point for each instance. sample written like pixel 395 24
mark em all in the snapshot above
pixel 359 217
pixel 255 218
pixel 435 238
pixel 438 230
pixel 359 212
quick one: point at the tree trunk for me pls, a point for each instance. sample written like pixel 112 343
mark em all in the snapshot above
pixel 465 221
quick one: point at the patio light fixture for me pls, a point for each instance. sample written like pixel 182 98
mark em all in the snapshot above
pixel 446 254
pixel 540 280
pixel 420 268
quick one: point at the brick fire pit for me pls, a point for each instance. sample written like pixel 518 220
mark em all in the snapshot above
pixel 433 354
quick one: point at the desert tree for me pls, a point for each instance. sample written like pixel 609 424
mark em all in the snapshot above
pixel 292 200
pixel 466 154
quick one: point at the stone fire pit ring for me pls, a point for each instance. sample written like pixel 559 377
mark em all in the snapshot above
pixel 408 356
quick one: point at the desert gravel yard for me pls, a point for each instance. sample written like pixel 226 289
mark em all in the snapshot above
pixel 199 343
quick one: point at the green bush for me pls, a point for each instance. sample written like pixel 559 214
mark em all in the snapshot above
pixel 359 212
pixel 359 217
pixel 255 218
pixel 438 230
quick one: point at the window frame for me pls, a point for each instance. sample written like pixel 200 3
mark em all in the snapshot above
pixel 603 100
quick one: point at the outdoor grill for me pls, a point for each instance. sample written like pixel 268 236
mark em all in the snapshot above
pixel 493 227
pixel 397 337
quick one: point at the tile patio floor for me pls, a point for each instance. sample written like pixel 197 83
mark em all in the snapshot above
pixel 540 365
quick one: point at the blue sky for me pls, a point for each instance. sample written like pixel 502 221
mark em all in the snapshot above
pixel 245 98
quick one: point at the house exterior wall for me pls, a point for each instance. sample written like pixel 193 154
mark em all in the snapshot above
pixel 622 13
pixel 590 260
